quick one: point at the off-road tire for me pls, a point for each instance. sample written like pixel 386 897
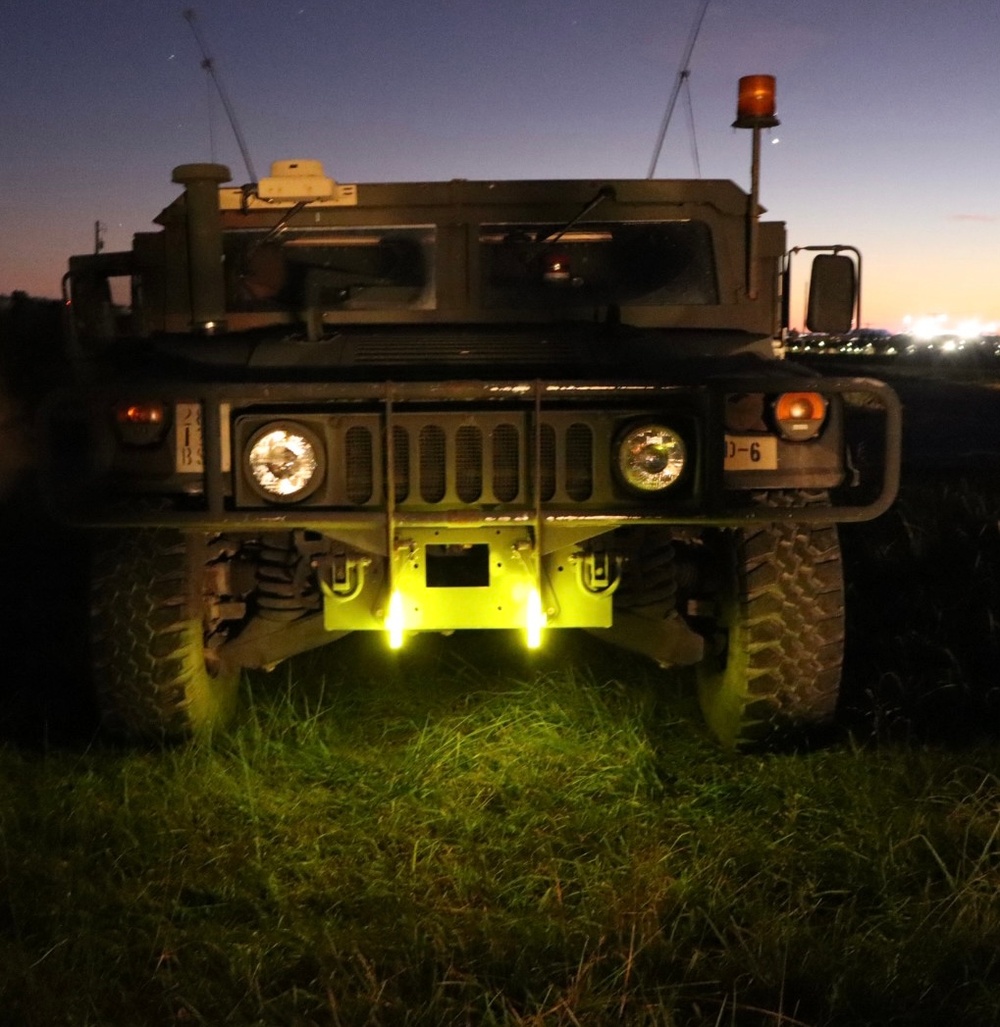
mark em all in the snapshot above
pixel 152 679
pixel 771 676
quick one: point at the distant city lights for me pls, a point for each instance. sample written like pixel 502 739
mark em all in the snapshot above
pixel 936 326
pixel 971 340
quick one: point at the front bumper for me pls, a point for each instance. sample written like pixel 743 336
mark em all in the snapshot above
pixel 543 459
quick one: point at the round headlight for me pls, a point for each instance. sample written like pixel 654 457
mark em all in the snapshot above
pixel 285 461
pixel 651 457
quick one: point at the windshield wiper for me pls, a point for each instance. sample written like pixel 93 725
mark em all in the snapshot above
pixel 606 192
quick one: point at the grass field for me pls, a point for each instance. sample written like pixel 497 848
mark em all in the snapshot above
pixel 463 834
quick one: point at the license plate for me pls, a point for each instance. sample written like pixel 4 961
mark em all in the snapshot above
pixel 187 438
pixel 751 453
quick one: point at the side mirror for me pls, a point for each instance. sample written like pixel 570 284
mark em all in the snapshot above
pixel 833 293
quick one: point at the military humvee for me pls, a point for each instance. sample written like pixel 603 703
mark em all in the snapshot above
pixel 401 408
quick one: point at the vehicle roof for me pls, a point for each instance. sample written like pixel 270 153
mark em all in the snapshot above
pixel 722 195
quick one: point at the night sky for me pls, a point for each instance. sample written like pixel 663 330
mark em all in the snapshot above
pixel 890 134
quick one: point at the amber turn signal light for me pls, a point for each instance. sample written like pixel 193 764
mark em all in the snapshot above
pixel 141 424
pixel 799 415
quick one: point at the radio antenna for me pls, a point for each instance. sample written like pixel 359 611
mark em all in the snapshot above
pixel 682 79
pixel 209 65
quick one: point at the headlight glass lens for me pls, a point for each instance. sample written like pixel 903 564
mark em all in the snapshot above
pixel 284 461
pixel 651 457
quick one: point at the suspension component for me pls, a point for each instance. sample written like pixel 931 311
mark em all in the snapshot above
pixel 286 583
pixel 650 574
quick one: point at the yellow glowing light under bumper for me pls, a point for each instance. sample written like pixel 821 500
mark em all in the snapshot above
pixel 535 619
pixel 394 621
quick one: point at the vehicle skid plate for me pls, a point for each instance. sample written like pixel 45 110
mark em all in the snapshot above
pixel 459 578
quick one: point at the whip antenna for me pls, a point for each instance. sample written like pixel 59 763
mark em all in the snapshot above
pixel 209 65
pixel 682 76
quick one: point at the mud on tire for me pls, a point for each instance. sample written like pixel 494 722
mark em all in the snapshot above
pixel 772 672
pixel 152 679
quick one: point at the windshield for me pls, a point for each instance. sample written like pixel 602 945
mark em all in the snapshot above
pixel 639 263
pixel 340 269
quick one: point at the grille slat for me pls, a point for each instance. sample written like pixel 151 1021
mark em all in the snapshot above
pixel 469 463
pixel 358 465
pixel 401 464
pixel 506 463
pixel 433 464
pixel 579 465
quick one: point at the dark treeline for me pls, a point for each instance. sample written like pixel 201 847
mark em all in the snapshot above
pixel 31 362
pixel 31 345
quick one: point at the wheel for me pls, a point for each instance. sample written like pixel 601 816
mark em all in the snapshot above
pixel 154 678
pixel 772 671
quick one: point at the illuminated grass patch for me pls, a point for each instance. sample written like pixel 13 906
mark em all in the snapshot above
pixel 554 842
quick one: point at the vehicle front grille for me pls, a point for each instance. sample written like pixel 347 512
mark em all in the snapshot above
pixel 462 460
